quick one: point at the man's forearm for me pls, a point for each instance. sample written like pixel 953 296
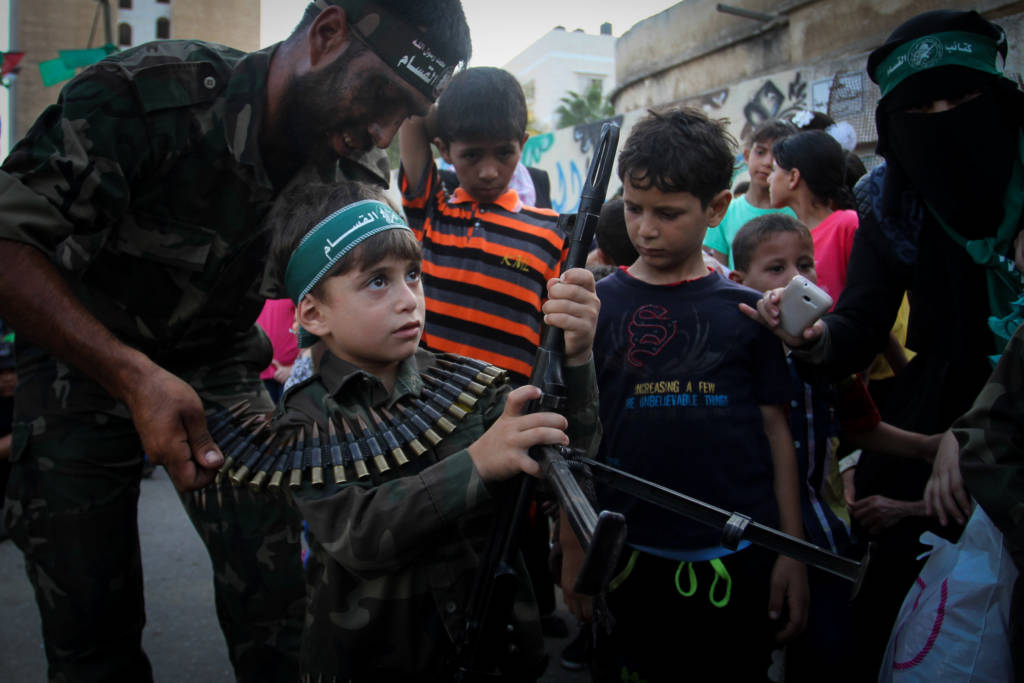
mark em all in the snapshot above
pixel 37 303
pixel 891 440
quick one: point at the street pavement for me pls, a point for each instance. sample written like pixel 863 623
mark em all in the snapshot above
pixel 182 637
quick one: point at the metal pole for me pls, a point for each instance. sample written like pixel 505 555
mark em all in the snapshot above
pixel 108 29
pixel 92 28
pixel 746 13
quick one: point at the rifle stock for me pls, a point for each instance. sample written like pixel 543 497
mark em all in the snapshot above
pixel 601 535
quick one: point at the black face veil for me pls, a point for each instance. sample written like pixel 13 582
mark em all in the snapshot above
pixel 959 160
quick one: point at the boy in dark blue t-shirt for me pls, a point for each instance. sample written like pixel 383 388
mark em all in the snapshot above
pixel 692 396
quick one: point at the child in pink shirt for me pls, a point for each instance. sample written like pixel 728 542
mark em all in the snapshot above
pixel 809 176
pixel 277 319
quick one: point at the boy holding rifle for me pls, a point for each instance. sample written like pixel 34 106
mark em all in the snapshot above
pixel 408 446
pixel 692 399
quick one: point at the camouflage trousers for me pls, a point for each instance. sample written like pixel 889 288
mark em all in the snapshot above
pixel 72 509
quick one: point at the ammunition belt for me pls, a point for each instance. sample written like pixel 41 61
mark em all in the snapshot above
pixel 264 458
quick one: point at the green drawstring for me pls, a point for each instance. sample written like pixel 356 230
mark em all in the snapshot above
pixel 693 579
pixel 721 574
pixel 624 574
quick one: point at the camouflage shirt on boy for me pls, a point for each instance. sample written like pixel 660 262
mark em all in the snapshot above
pixel 394 556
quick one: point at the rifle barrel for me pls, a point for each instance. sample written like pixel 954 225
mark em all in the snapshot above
pixel 738 526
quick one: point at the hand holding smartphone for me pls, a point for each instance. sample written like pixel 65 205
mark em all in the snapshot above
pixel 803 302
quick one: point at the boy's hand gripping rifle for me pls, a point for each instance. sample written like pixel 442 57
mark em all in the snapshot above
pixel 603 534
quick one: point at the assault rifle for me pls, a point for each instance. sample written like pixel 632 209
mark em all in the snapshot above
pixel 735 527
pixel 603 534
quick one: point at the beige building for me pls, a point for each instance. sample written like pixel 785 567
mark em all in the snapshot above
pixel 779 58
pixel 40 28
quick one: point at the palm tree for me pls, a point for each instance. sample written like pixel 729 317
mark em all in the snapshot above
pixel 586 108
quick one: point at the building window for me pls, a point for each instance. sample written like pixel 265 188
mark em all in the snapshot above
pixel 124 34
pixel 163 28
pixel 124 4
pixel 530 90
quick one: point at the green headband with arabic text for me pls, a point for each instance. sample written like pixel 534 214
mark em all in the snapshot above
pixel 329 241
pixel 951 48
pixel 404 48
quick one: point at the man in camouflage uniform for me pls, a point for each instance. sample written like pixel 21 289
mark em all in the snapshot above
pixel 131 264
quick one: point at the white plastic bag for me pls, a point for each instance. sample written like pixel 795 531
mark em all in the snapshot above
pixel 953 625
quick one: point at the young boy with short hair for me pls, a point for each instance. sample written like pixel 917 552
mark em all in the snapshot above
pixel 755 201
pixel 694 402
pixel 769 251
pixel 400 516
pixel 486 256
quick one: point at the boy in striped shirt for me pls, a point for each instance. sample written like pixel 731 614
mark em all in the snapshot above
pixel 486 256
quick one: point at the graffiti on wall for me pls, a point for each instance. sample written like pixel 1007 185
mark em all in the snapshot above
pixel 565 155
pixel 751 103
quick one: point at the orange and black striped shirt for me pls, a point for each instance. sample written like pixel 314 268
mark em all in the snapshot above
pixel 485 272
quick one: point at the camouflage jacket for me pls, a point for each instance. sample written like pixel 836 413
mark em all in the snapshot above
pixel 991 437
pixel 145 186
pixel 394 555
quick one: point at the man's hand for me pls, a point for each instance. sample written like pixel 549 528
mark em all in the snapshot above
pixel 768 313
pixel 573 306
pixel 944 494
pixel 281 372
pixel 168 414
pixel 169 418
pixel 877 513
pixel 789 589
pixel 503 450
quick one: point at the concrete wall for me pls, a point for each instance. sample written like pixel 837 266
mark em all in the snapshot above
pixel 229 22
pixel 833 82
pixel 691 48
pixel 811 56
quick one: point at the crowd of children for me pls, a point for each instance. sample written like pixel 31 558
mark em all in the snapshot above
pixel 696 393
pixel 676 372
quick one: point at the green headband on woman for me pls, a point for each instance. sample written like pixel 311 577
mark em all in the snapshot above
pixel 951 48
pixel 329 241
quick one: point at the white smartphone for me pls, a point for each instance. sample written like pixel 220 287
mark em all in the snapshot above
pixel 802 303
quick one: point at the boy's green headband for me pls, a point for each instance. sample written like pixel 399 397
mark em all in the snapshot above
pixel 404 48
pixel 952 48
pixel 332 238
pixel 329 241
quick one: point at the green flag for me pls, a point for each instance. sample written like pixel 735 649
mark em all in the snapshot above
pixel 75 58
pixel 54 71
